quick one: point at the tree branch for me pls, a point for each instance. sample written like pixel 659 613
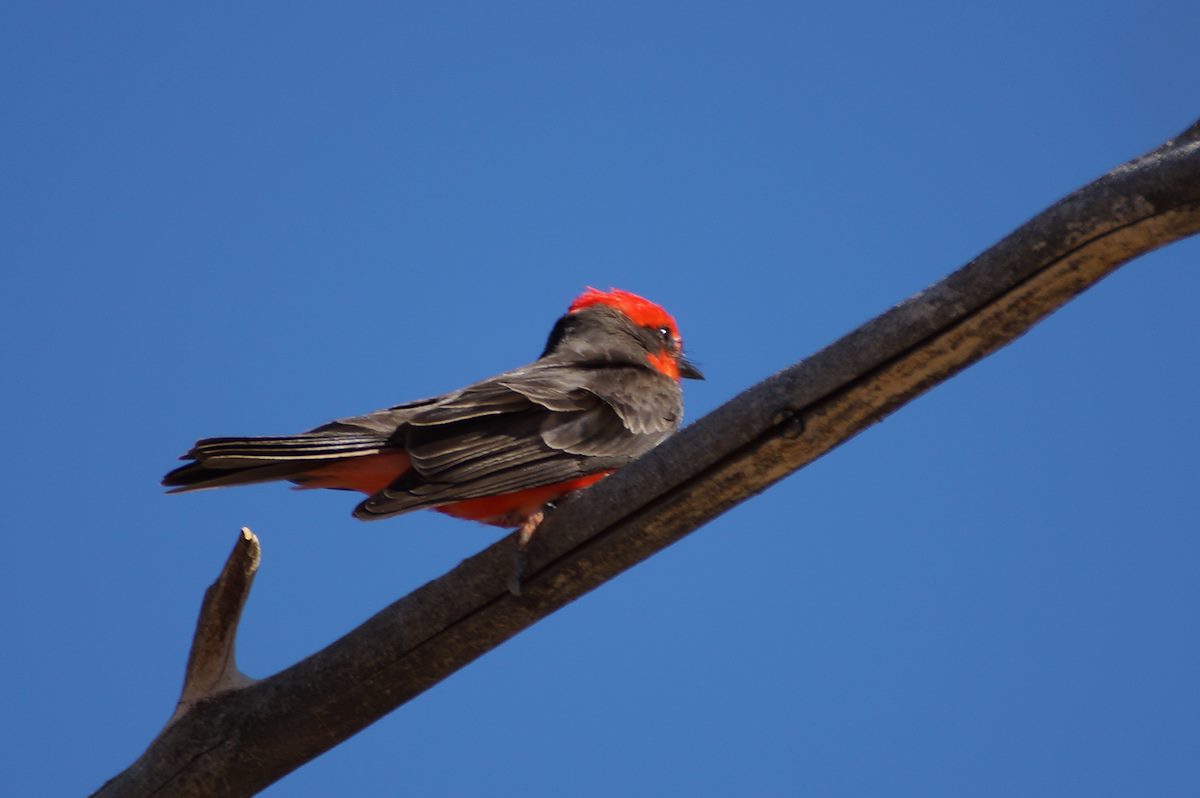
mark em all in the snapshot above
pixel 212 666
pixel 234 739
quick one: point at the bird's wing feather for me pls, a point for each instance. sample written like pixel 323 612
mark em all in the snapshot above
pixel 536 426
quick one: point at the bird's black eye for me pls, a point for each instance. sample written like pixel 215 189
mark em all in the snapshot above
pixel 668 337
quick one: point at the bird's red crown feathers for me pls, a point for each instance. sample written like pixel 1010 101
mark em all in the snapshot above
pixel 639 310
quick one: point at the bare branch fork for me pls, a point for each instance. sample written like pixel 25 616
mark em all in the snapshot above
pixel 231 736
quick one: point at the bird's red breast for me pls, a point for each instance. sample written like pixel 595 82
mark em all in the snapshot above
pixel 373 473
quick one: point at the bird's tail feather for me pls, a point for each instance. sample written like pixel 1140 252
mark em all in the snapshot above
pixel 218 462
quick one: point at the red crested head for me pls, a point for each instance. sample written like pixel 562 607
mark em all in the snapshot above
pixel 639 310
pixel 666 355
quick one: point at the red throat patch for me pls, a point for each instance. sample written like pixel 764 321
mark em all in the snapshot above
pixel 664 363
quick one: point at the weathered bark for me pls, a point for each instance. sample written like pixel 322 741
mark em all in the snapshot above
pixel 234 738
pixel 212 666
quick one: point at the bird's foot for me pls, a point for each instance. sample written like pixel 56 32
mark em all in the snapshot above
pixel 524 535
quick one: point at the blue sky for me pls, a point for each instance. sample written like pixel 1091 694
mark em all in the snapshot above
pixel 250 219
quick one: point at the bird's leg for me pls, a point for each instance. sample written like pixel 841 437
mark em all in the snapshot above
pixel 528 527
pixel 524 535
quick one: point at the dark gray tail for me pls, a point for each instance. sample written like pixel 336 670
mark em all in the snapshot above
pixel 244 461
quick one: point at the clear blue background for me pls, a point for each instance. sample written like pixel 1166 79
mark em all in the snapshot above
pixel 252 218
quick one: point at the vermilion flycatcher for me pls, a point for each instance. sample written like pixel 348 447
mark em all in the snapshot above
pixel 605 391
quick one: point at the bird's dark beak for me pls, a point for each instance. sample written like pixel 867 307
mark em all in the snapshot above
pixel 688 369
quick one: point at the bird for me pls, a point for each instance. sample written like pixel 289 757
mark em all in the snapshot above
pixel 605 390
